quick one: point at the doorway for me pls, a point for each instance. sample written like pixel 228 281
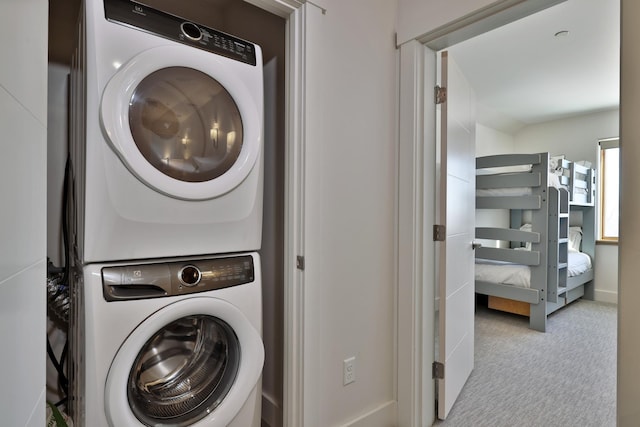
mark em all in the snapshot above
pixel 416 93
pixel 560 114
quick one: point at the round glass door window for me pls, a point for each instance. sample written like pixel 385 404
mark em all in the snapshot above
pixel 184 371
pixel 185 124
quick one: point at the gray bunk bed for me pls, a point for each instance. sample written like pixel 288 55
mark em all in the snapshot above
pixel 534 249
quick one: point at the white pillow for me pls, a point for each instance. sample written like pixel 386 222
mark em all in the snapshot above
pixel 585 163
pixel 527 227
pixel 555 162
pixel 554 181
pixel 575 238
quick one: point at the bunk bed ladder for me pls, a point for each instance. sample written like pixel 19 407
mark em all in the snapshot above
pixel 558 244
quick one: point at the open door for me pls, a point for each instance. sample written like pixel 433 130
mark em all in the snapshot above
pixel 455 234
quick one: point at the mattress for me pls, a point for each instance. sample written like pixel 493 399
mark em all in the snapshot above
pixel 520 275
pixel 503 272
pixel 578 263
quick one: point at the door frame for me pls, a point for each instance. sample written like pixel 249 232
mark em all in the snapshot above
pixel 416 207
pixel 294 309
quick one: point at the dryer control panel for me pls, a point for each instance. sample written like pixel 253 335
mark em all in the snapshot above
pixel 127 282
pixel 174 28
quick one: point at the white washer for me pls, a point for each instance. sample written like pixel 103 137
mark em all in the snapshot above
pixel 166 148
pixel 171 343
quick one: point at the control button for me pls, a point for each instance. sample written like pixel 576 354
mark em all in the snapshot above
pixel 191 30
pixel 190 275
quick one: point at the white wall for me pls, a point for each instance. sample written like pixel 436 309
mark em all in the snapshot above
pixel 23 121
pixel 350 187
pixel 629 245
pixel 577 138
pixel 490 141
pixel 606 274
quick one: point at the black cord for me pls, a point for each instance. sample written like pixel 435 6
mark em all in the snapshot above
pixel 63 284
pixel 63 356
pixel 62 378
pixel 65 218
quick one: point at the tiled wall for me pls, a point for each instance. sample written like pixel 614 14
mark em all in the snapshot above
pixel 23 126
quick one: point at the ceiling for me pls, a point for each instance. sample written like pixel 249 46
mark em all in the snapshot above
pixel 523 73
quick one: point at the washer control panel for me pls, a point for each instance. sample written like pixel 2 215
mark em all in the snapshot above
pixel 129 282
pixel 174 28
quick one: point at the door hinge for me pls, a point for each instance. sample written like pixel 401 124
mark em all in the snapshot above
pixel 300 262
pixel 440 95
pixel 437 370
pixel 439 233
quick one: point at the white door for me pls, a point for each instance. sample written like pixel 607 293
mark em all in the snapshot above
pixel 456 212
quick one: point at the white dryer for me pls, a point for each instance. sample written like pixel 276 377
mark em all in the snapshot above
pixel 167 136
pixel 170 343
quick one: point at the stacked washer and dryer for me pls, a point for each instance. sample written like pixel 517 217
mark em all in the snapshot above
pixel 165 221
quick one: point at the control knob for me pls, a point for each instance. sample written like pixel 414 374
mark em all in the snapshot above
pixel 191 30
pixel 190 275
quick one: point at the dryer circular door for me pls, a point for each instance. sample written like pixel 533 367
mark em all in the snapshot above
pixel 184 121
pixel 193 362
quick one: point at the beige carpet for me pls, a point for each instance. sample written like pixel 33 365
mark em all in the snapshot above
pixel 565 377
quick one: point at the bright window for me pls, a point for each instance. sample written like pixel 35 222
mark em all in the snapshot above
pixel 609 189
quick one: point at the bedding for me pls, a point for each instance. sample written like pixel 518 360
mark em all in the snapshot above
pixel 575 238
pixel 579 263
pixel 527 227
pixel 501 170
pixel 503 272
pixel 554 181
pixel 520 275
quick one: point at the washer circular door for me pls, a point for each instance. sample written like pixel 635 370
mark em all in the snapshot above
pixel 184 121
pixel 193 362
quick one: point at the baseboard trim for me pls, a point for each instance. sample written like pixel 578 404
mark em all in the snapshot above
pixel 271 411
pixel 605 296
pixel 384 415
